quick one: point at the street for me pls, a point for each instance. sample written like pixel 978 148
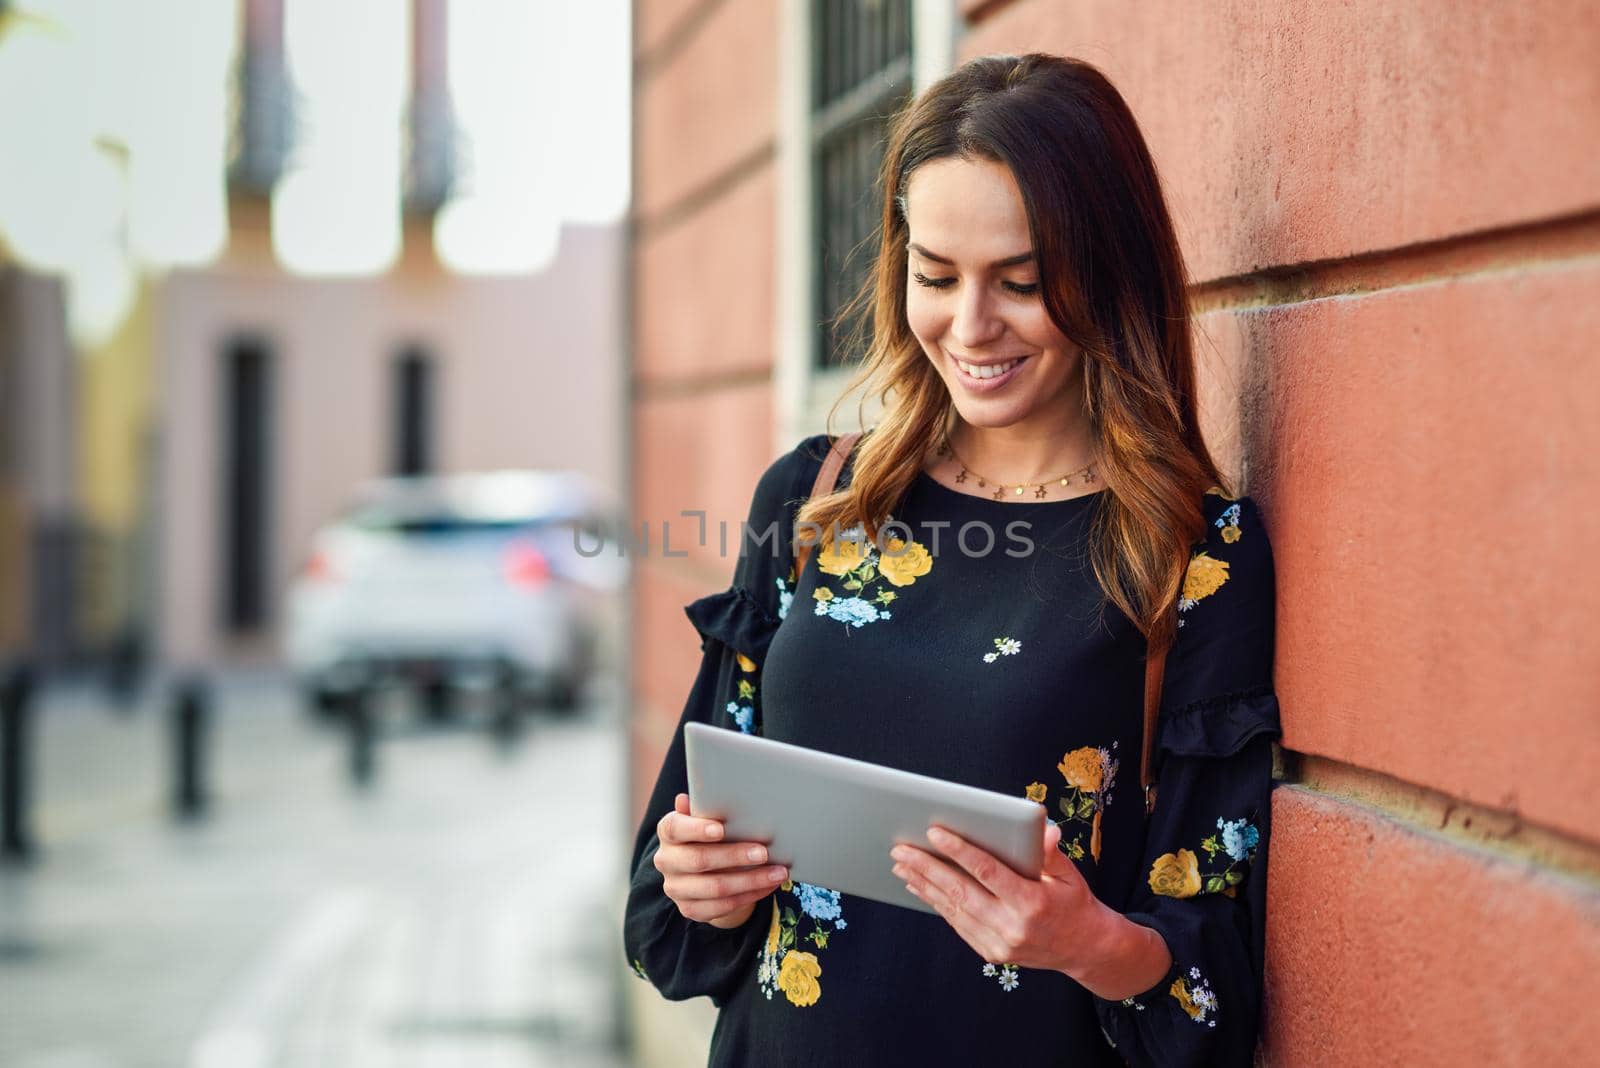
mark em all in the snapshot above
pixel 459 910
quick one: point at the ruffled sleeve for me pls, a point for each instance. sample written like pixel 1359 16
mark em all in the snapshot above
pixel 1203 880
pixel 684 958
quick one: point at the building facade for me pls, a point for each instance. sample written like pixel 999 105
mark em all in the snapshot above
pixel 1391 215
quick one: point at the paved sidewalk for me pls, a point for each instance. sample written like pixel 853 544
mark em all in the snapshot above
pixel 458 913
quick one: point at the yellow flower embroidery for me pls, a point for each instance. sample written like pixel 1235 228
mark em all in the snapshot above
pixel 797 978
pixel 1230 534
pixel 1082 769
pixel 903 563
pixel 772 932
pixel 745 663
pixel 1176 874
pixel 1181 992
pixel 1195 996
pixel 1090 773
pixel 822 593
pixel 842 555
pixel 1205 576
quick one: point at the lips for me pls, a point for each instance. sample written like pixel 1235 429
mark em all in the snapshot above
pixel 976 384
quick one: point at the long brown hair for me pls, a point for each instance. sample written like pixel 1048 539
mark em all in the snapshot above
pixel 1114 283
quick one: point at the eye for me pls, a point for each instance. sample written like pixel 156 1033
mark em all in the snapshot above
pixel 935 283
pixel 1022 290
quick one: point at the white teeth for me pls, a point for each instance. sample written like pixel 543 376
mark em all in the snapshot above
pixel 987 372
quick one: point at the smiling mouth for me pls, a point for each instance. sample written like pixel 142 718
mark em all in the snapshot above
pixel 983 372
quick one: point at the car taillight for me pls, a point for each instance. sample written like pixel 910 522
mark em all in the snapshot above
pixel 319 569
pixel 526 566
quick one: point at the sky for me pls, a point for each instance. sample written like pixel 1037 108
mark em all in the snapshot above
pixel 117 168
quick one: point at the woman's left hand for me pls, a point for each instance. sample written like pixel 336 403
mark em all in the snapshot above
pixel 1050 922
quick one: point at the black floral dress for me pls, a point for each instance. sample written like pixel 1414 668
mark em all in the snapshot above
pixel 976 649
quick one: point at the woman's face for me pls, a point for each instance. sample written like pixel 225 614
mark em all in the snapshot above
pixel 973 299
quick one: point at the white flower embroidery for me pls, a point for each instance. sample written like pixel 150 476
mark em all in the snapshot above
pixel 1003 647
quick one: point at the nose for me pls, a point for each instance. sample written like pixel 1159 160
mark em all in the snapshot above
pixel 975 321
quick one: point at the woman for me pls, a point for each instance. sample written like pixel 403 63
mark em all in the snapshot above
pixel 1031 345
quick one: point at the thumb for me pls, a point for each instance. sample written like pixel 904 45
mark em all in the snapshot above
pixel 1056 863
pixel 680 804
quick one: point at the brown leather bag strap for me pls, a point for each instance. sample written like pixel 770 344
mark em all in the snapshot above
pixel 831 466
pixel 1153 669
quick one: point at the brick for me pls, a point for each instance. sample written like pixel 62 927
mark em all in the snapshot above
pixel 656 20
pixel 1388 945
pixel 666 650
pixel 1218 359
pixel 1304 131
pixel 711 106
pixel 704 288
pixel 1427 458
pixel 700 451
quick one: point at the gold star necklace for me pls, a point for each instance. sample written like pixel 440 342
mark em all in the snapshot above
pixel 948 451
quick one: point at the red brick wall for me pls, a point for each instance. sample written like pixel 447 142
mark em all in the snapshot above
pixel 1391 212
pixel 705 114
pixel 1392 215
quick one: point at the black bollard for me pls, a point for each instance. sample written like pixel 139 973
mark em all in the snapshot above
pixel 191 720
pixel 358 715
pixel 16 843
pixel 506 717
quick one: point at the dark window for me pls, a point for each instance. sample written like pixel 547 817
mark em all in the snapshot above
pixel 413 413
pixel 247 474
pixel 861 75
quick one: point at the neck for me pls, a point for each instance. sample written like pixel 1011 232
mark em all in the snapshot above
pixel 1024 452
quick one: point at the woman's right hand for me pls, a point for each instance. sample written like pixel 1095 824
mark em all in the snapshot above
pixel 710 880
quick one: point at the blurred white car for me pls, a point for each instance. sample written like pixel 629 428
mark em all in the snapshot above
pixel 456 581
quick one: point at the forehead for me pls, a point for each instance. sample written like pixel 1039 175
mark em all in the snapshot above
pixel 967 210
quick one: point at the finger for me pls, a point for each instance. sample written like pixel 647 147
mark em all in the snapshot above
pixel 1057 865
pixel 684 859
pixel 988 870
pixel 681 804
pixel 681 827
pixel 980 938
pixel 951 883
pixel 716 908
pixel 722 884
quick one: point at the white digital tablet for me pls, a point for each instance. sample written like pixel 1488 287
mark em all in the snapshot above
pixel 832 820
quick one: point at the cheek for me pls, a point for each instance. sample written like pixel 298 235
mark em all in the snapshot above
pixel 1037 328
pixel 924 318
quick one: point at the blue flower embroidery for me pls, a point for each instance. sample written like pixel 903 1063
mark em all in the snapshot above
pixel 743 715
pixel 851 610
pixel 818 902
pixel 1239 838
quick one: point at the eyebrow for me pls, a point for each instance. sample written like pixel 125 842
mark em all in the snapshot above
pixel 1009 261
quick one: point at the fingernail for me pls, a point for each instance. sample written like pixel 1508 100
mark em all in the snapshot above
pixel 938 837
pixel 713 830
pixel 899 871
pixel 756 854
pixel 900 852
pixel 776 875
